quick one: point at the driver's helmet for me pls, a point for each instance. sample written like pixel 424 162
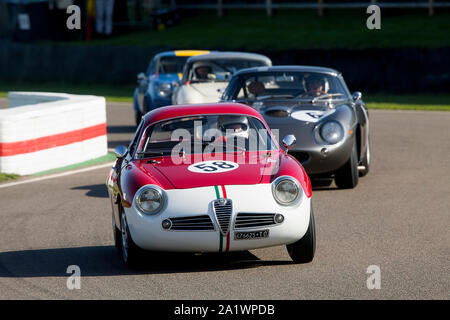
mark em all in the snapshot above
pixel 315 78
pixel 233 126
pixel 202 70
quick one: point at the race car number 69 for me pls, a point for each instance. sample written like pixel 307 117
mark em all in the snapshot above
pixel 213 166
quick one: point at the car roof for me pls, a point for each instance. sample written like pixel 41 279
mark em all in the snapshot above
pixel 288 69
pixel 176 111
pixel 230 55
pixel 181 53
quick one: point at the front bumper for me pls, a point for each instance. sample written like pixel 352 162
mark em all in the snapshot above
pixel 147 232
pixel 158 102
pixel 321 159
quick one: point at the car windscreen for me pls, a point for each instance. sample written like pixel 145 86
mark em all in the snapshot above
pixel 284 85
pixel 219 69
pixel 171 64
pixel 206 134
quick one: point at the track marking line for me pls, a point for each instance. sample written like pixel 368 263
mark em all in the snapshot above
pixel 57 175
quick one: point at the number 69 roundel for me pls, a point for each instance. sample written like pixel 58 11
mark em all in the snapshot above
pixel 213 166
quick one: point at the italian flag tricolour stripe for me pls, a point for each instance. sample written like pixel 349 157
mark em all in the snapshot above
pixel 222 193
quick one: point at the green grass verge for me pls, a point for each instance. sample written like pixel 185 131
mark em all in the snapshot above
pixel 431 102
pixel 8 176
pixel 290 29
pixel 107 158
pixel 427 102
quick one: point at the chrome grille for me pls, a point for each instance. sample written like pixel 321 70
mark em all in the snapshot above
pixel 223 214
pixel 252 220
pixel 192 223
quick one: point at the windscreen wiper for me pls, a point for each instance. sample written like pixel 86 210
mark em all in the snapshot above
pixel 326 96
pixel 261 98
pixel 150 153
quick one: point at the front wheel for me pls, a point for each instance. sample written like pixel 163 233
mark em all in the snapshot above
pixel 302 251
pixel 365 161
pixel 116 234
pixel 347 176
pixel 131 253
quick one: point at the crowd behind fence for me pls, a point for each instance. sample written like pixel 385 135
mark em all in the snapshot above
pixel 320 5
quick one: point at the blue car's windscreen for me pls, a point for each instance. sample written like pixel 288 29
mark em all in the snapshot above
pixel 171 64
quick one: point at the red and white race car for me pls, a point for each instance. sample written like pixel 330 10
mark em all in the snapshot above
pixel 209 178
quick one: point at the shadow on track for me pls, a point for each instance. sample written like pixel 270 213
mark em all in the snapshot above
pixel 322 184
pixel 105 261
pixel 94 190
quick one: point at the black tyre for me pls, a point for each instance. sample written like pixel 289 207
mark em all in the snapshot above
pixel 116 234
pixel 302 251
pixel 131 253
pixel 365 161
pixel 347 176
pixel 137 116
pixel 146 105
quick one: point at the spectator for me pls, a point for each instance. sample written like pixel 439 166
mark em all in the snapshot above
pixel 58 17
pixel 104 16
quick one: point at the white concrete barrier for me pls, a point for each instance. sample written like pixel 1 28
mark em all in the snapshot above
pixel 42 131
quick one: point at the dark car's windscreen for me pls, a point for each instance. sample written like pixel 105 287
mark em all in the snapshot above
pixel 284 85
pixel 171 64
pixel 230 132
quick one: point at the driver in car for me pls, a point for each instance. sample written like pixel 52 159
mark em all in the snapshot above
pixel 204 72
pixel 315 86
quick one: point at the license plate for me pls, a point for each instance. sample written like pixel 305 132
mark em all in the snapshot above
pixel 251 235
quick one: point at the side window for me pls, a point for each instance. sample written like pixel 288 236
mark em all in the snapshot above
pixel 263 137
pixel 241 95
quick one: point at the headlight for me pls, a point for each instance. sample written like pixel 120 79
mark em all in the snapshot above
pixel 164 89
pixel 286 190
pixel 149 199
pixel 332 132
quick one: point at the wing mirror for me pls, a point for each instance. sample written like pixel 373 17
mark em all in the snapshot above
pixel 357 96
pixel 289 141
pixel 120 151
pixel 141 76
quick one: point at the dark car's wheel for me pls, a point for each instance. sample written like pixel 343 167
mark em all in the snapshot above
pixel 365 161
pixel 137 116
pixel 302 251
pixel 347 176
pixel 146 105
pixel 131 253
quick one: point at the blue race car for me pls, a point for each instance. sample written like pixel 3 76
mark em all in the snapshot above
pixel 155 86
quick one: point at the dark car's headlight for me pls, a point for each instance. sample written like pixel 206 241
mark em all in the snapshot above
pixel 286 190
pixel 150 199
pixel 332 132
pixel 164 89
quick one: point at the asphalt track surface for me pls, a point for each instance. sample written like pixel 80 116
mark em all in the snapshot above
pixel 396 218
